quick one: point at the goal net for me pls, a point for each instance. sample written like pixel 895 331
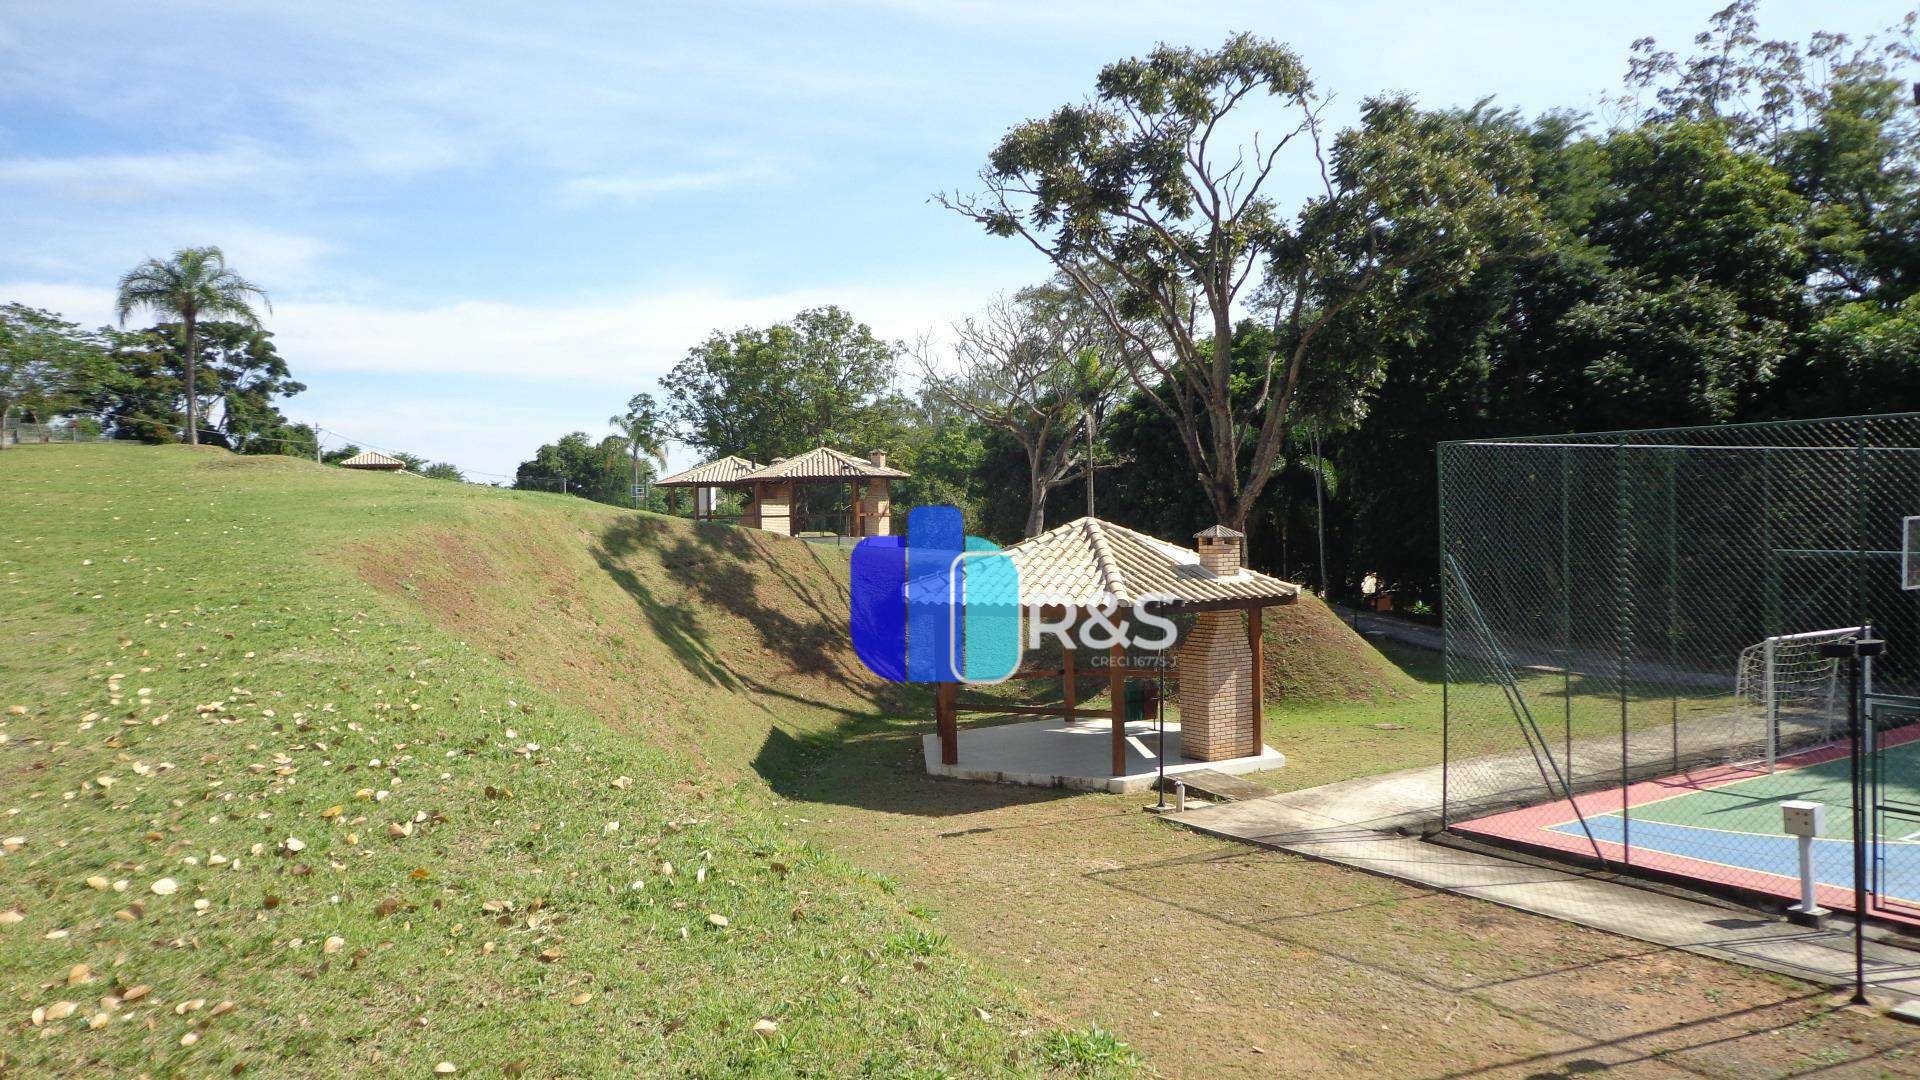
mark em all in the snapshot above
pixel 1788 697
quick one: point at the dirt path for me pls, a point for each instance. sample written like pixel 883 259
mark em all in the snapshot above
pixel 1210 958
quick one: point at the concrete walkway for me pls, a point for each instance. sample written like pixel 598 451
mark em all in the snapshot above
pixel 1363 823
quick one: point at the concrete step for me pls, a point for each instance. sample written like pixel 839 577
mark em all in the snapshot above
pixel 1219 786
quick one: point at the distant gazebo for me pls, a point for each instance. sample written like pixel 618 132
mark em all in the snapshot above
pixel 374 461
pixel 706 480
pixel 771 488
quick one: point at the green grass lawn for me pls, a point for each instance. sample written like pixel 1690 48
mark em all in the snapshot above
pixel 259 814
pixel 1330 741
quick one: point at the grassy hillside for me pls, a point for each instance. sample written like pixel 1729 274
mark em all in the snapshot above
pixel 307 771
pixel 1314 658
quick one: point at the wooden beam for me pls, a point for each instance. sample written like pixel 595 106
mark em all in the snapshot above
pixel 946 718
pixel 1069 692
pixel 1028 710
pixel 1259 681
pixel 1117 691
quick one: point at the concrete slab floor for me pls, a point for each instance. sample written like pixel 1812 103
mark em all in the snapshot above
pixel 1076 755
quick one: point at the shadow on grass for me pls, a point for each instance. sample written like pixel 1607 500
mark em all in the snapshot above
pixel 875 762
pixel 729 569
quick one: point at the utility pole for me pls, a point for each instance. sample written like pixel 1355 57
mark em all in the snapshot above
pixel 1089 466
pixel 1320 510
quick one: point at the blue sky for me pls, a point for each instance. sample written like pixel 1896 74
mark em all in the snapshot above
pixel 483 225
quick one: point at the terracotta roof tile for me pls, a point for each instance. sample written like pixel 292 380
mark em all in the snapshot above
pixel 709 474
pixel 822 463
pixel 373 459
pixel 1083 562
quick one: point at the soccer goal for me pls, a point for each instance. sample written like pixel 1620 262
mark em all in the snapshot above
pixel 1787 697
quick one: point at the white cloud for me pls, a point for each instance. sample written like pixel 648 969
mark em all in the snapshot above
pixel 634 338
pixel 627 340
pixel 129 177
pixel 636 187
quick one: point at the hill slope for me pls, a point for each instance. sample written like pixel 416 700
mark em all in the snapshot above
pixel 1313 658
pixel 334 748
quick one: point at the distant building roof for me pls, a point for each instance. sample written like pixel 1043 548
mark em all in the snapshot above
pixel 1082 563
pixel 372 459
pixel 715 473
pixel 822 463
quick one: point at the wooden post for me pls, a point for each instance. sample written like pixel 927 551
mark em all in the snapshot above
pixel 1069 693
pixel 947 720
pixel 1117 707
pixel 1259 681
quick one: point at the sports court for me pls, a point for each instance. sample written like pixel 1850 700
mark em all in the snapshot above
pixel 1642 638
pixel 1722 825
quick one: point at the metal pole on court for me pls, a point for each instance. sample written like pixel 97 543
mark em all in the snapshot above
pixel 1852 651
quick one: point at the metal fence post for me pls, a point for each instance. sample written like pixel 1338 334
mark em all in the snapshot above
pixel 1623 593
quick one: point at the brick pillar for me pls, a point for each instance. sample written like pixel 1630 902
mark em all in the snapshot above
pixel 1216 689
pixel 876 506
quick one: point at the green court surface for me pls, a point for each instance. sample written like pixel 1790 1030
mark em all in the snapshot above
pixel 1753 806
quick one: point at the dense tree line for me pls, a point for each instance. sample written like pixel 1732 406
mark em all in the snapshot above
pixel 1741 242
pixel 1745 247
pixel 207 372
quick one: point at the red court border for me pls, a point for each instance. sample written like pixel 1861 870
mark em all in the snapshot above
pixel 1534 827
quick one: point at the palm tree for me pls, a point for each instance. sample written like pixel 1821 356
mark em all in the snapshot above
pixel 193 285
pixel 640 426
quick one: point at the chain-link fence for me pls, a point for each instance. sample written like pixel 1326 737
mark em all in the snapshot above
pixel 1633 623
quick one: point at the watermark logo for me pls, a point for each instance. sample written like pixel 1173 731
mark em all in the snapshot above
pixel 937 605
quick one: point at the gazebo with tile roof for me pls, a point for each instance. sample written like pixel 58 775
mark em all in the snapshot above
pixel 706 479
pixel 869 488
pixel 374 461
pixel 1089 563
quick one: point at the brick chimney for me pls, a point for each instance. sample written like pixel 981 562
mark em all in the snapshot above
pixel 1220 549
pixel 1216 667
pixel 878 457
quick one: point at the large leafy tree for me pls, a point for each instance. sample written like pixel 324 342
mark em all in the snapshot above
pixel 1145 200
pixel 47 364
pixel 1014 367
pixel 238 368
pixel 577 465
pixel 819 378
pixel 194 284
pixel 644 431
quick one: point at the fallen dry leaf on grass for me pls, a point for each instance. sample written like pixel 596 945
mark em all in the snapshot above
pixel 581 998
pixel 765 1027
pixel 166 886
